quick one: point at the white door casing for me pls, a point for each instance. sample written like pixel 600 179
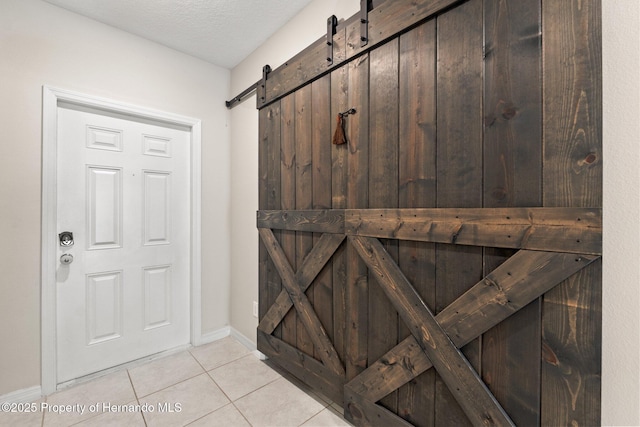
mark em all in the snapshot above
pixel 130 307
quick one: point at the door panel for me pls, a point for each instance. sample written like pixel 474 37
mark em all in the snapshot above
pixel 157 296
pixel 156 226
pixel 124 193
pixel 104 306
pixel 104 207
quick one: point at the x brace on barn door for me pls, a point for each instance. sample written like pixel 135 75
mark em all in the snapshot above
pixel 295 285
pixel 554 244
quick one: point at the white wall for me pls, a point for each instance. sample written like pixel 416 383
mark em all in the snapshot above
pixel 308 26
pixel 41 44
pixel 621 281
pixel 621 154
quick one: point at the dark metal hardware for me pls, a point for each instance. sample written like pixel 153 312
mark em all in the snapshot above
pixel 240 97
pixel 262 86
pixel 66 239
pixel 259 87
pixel 346 113
pixel 332 23
pixel 364 22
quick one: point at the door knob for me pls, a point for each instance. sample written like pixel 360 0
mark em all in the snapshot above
pixel 66 259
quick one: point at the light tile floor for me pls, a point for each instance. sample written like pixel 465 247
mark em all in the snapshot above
pixel 218 384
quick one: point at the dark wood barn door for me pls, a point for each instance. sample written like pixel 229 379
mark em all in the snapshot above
pixel 443 266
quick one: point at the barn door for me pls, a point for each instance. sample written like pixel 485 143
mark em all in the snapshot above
pixel 443 266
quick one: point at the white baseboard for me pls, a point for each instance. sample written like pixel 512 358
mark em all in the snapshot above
pixel 231 331
pixel 30 394
pixel 244 340
pixel 247 342
pixel 213 336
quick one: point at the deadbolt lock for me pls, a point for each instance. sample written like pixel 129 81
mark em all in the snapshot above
pixel 66 238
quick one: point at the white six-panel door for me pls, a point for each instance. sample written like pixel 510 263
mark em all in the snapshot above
pixel 123 191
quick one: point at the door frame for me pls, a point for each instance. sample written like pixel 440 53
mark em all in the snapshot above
pixel 51 97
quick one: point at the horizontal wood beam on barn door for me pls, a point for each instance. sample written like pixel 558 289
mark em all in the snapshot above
pixel 550 229
pixel 317 221
pixel 576 230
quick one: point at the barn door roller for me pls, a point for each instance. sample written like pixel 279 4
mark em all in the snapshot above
pixel 364 22
pixel 262 88
pixel 259 87
pixel 332 23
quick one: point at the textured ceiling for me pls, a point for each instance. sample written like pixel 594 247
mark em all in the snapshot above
pixel 222 32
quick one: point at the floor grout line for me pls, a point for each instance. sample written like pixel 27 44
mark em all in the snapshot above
pixel 224 364
pixel 259 388
pixel 44 399
pixel 174 384
pixel 135 393
pixel 218 385
pixel 170 385
pixel 241 414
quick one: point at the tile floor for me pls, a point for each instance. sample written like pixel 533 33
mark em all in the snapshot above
pixel 218 384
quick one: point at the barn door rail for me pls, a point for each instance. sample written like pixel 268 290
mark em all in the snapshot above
pixel 242 95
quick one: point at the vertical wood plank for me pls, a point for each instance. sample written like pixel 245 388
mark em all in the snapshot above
pixel 571 349
pixel 512 104
pixel 572 176
pixel 459 166
pixel 417 189
pixel 512 177
pixel 269 198
pixel 357 198
pixel 339 103
pixel 383 190
pixel 321 160
pixel 263 256
pixel 572 90
pixel 288 199
pixel 304 193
